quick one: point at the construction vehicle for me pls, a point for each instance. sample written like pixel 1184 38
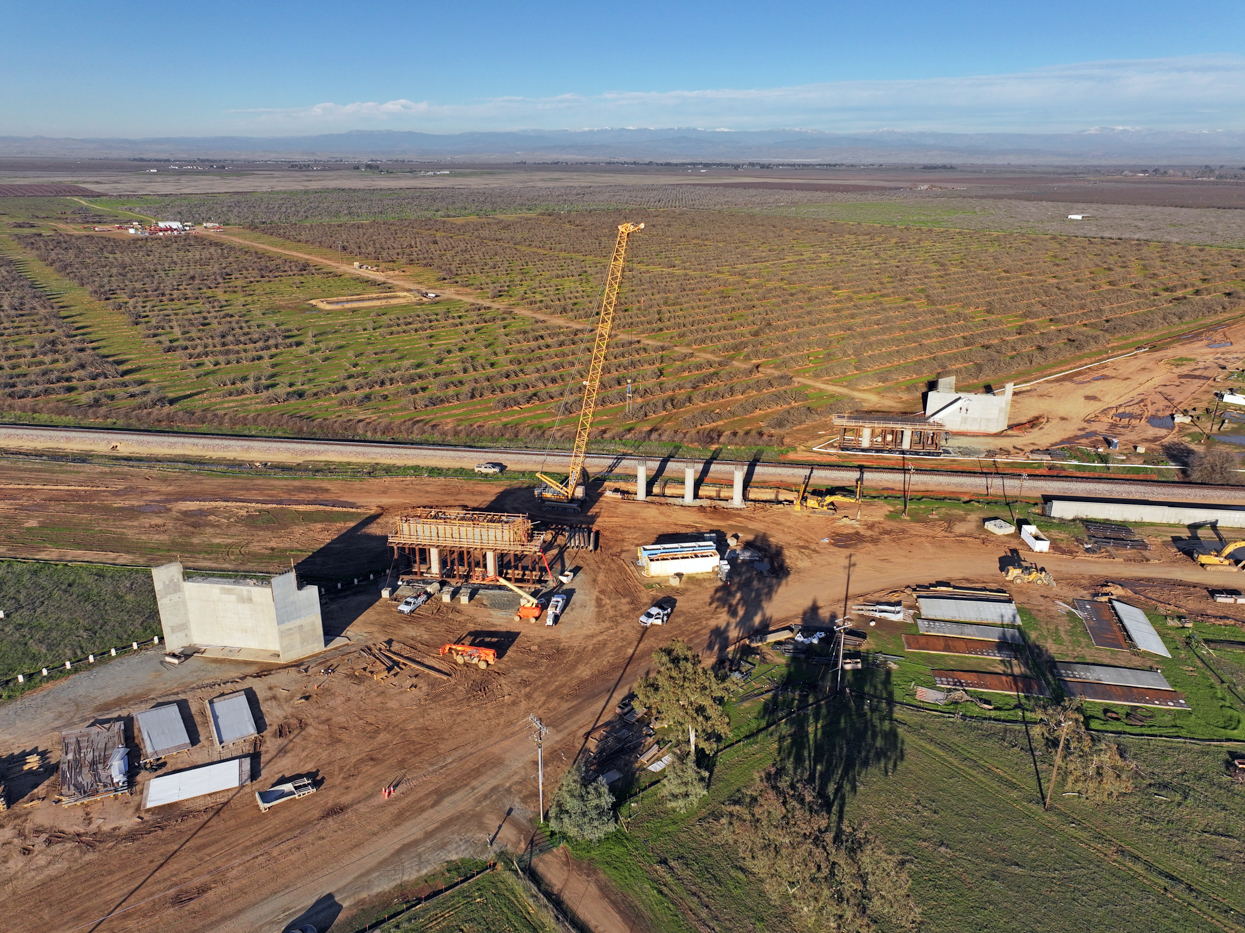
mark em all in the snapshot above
pixel 469 654
pixel 823 503
pixel 1223 559
pixel 1024 571
pixel 556 495
pixel 279 793
pixel 530 607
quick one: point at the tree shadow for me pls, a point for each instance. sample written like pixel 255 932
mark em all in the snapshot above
pixel 321 915
pixel 745 595
pixel 834 744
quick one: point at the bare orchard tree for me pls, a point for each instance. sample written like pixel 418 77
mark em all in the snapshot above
pixel 1218 466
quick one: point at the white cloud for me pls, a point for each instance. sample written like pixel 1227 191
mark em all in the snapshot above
pixel 1171 93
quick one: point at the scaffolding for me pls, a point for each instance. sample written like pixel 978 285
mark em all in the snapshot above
pixel 469 546
pixel 876 431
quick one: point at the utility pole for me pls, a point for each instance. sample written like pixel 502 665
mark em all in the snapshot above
pixel 1054 775
pixel 539 739
pixel 628 395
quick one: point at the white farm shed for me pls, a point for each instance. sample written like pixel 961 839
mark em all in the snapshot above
pixel 664 560
pixel 196 782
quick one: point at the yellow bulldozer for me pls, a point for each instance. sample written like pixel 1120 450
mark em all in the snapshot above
pixel 1223 559
pixel 804 502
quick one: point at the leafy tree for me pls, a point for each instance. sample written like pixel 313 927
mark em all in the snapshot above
pixel 582 809
pixel 837 879
pixel 1097 770
pixel 684 694
pixel 683 783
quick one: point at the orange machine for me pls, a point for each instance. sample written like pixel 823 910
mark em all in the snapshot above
pixel 469 654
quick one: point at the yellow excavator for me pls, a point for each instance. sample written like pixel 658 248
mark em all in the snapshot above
pixel 825 503
pixel 1223 559
pixel 557 495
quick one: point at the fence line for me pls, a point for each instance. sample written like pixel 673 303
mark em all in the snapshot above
pixel 71 663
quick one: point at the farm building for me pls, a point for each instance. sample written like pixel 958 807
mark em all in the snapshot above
pixel 231 719
pixel 163 731
pixel 469 546
pixel 886 433
pixel 276 620
pixel 967 413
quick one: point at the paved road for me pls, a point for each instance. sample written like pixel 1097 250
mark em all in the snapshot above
pixel 925 479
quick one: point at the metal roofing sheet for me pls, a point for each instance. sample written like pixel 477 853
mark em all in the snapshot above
pixel 1139 628
pixel 962 630
pixel 991 683
pixel 163 730
pixel 1126 696
pixel 1101 623
pixel 231 718
pixel 195 782
pixel 1124 676
pixel 990 611
pixel 947 644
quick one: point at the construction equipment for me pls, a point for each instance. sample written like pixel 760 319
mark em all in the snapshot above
pixel 530 607
pixel 469 654
pixel 1222 559
pixel 565 496
pixel 823 503
pixel 1023 571
pixel 279 793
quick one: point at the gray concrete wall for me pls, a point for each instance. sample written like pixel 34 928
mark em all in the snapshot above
pixel 171 601
pixel 1151 512
pixel 965 413
pixel 234 614
pixel 299 628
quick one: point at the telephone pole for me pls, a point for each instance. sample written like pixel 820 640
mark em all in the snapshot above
pixel 539 739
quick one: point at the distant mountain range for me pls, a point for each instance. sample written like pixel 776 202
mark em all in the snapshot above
pixel 1096 146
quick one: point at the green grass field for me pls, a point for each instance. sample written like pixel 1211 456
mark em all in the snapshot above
pixel 962 801
pixel 62 612
pixel 494 902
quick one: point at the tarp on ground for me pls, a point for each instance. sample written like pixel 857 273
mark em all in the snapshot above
pixel 962 630
pixel 1139 628
pixel 231 718
pixel 196 782
pixel 982 611
pixel 1126 696
pixel 1124 676
pixel 163 731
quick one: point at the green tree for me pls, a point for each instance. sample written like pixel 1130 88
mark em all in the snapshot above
pixel 684 694
pixel 582 809
pixel 837 879
pixel 1096 769
pixel 683 783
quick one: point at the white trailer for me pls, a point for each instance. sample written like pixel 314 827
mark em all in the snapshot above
pixel 1034 538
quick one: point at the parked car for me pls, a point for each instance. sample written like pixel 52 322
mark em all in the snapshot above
pixel 657 615
pixel 490 469
pixel 556 606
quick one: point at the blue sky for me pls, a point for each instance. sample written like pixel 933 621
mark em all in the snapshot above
pixel 280 68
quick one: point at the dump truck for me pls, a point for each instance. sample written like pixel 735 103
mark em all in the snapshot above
pixel 482 658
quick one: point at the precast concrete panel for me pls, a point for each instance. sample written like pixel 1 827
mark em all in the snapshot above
pixel 234 614
pixel 171 601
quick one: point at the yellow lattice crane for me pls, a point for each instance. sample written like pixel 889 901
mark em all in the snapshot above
pixel 563 494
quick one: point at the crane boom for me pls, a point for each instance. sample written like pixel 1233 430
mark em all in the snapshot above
pixel 556 491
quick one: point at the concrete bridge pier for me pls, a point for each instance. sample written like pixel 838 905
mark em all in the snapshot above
pixel 641 481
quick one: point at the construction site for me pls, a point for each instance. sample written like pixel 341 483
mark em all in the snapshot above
pixel 303 743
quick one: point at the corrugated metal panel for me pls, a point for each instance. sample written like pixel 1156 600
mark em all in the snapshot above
pixel 707 563
pixel 1124 676
pixel 1101 623
pixel 231 718
pixel 962 630
pixel 196 782
pixel 989 611
pixel 1126 696
pixel 991 683
pixel 1139 628
pixel 163 731
pixel 946 644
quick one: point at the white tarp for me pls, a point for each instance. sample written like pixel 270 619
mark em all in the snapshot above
pixel 1139 628
pixel 1122 676
pixel 231 718
pixel 985 611
pixel 163 731
pixel 195 782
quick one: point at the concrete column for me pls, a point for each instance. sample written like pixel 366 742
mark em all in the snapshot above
pixel 490 563
pixel 907 439
pixel 434 560
pixel 866 435
pixel 737 494
pixel 689 485
pixel 641 481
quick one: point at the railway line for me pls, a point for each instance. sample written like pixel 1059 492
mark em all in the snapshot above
pixel 986 482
